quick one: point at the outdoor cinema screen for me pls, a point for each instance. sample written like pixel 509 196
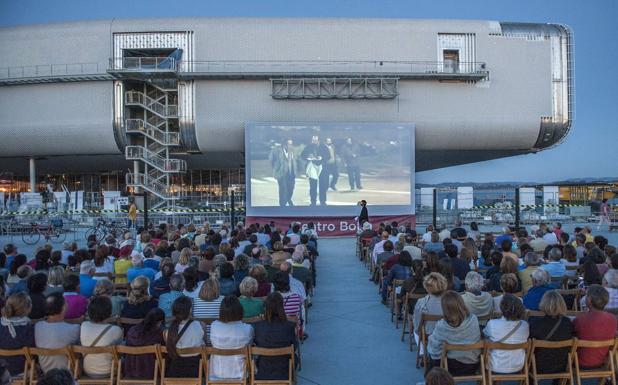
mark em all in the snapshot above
pixel 325 169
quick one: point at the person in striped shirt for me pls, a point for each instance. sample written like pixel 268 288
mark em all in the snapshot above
pixel 208 302
pixel 292 302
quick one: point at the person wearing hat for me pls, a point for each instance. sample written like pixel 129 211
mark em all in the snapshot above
pixel 123 263
pixel 137 260
pixel 86 282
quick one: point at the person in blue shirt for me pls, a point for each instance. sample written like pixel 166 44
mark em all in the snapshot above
pixel 507 235
pixel 86 282
pixel 554 267
pixel 177 285
pixel 23 273
pixel 540 285
pixel 137 259
pixel 11 251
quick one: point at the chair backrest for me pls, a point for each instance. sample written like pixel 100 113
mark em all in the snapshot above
pixel 595 344
pixel 162 351
pixel 489 345
pixel 272 352
pixel 398 282
pixel 544 344
pixel 17 353
pixel 79 350
pixel 136 351
pixel 252 319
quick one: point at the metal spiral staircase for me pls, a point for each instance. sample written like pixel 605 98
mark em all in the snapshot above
pixel 151 137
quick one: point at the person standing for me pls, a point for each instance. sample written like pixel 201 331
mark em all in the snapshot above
pixel 331 166
pixel 364 214
pixel 132 216
pixel 350 154
pixel 316 154
pixel 604 214
pixel 282 161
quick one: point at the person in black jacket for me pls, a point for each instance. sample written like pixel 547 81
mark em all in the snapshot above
pixel 554 326
pixel 274 332
pixel 16 331
pixel 316 155
pixel 37 284
pixel 364 215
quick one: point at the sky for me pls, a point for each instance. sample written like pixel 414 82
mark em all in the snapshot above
pixel 588 152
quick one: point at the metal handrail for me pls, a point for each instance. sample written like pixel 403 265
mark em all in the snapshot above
pixel 142 127
pixel 136 97
pixel 46 70
pixel 153 185
pixel 165 64
pixel 155 160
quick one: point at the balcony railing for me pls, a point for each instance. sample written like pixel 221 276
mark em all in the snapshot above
pixel 143 64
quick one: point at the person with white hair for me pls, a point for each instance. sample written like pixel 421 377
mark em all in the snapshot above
pixel 137 259
pixel 554 267
pixel 478 302
pixel 610 283
pixel 540 284
pixel 67 251
pixel 86 282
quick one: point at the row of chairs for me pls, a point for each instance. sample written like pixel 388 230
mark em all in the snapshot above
pixel 571 373
pixel 158 353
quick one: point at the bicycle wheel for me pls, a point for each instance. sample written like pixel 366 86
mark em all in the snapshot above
pixel 92 231
pixel 30 237
pixel 58 235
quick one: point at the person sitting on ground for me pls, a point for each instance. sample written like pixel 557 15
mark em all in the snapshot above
pixel 508 284
pixel 259 273
pixel 146 333
pixel 177 285
pixel 554 267
pixel 252 307
pixel 540 284
pixel 137 259
pixel 594 325
pixel 439 376
pixel 16 331
pixel 508 329
pixel 227 285
pixel 508 265
pixel 435 284
pixel 400 271
pixel 54 333
pixel 275 331
pixel 37 283
pixel 553 326
pixel 139 302
pixel 229 332
pixel 183 333
pixel 96 332
pixel 478 302
pixel 76 303
pixel 458 326
pixel 55 280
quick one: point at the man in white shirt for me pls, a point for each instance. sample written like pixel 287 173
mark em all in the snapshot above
pixel 427 236
pixel 550 238
pixel 379 247
pixel 411 248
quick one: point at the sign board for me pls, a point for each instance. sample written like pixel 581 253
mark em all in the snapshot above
pixel 527 196
pixel 465 197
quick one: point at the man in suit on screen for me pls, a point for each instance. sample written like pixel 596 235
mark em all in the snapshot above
pixel 283 163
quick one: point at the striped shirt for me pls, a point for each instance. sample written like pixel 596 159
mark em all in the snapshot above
pixel 292 303
pixel 207 309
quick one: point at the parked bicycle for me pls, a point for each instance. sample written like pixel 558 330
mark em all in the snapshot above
pixel 52 232
pixel 103 227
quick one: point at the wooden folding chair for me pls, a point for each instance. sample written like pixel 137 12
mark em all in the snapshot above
pixel 162 355
pixel 407 320
pixel 423 337
pixel 150 351
pixel 605 371
pixel 37 353
pixel 208 352
pixel 366 253
pixel 252 320
pixel 576 293
pixel 522 376
pixel 394 301
pixel 299 336
pixel 77 355
pixel 566 375
pixel 23 378
pixel 480 377
pixel 272 352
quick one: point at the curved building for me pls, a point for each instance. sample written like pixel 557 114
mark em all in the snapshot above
pixel 163 96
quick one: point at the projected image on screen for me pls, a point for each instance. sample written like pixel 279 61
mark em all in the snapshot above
pixel 293 166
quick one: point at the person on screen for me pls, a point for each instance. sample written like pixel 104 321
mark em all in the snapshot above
pixel 330 167
pixel 316 154
pixel 350 154
pixel 282 161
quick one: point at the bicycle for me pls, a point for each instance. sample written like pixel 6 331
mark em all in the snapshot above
pixel 52 232
pixel 103 227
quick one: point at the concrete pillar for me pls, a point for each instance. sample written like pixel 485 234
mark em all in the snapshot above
pixel 135 173
pixel 32 175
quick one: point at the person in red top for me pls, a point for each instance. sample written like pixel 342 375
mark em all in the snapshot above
pixel 595 325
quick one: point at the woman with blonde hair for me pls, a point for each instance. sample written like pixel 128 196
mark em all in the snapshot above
pixel 435 284
pixel 459 326
pixel 16 331
pixel 554 326
pixel 55 280
pixel 105 288
pixel 208 302
pixel 183 260
pixel 139 302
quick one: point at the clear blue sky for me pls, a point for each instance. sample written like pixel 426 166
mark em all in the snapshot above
pixel 590 150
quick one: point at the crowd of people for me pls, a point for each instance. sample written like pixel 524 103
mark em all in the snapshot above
pixel 483 287
pixel 174 286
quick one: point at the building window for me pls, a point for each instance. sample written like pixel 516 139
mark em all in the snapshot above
pixel 456 52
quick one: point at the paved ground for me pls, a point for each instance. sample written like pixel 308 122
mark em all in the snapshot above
pixel 352 340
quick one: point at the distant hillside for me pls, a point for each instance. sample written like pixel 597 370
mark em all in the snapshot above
pixel 502 185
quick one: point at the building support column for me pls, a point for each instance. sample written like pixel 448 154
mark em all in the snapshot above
pixel 32 175
pixel 136 189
